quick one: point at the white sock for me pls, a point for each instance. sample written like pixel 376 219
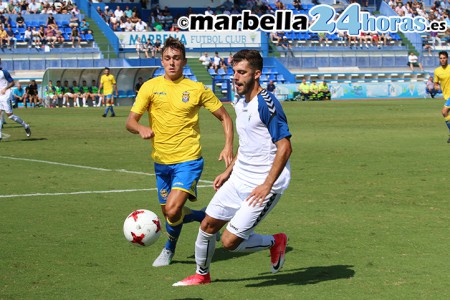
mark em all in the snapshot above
pixel 256 242
pixel 17 119
pixel 204 251
pixel 84 101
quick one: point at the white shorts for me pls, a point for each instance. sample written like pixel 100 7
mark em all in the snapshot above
pixel 229 204
pixel 6 102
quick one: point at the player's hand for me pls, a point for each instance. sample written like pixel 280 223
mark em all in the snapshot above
pixel 220 180
pixel 258 195
pixel 3 91
pixel 227 156
pixel 146 132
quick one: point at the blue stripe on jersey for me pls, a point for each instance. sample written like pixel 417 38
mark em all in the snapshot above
pixel 272 115
pixel 7 76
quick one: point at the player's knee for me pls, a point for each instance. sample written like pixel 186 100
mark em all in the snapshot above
pixel 230 241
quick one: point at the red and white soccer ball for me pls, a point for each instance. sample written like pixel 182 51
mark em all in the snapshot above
pixel 142 227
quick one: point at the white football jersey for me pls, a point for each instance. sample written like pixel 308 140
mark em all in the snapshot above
pixel 259 124
pixel 5 79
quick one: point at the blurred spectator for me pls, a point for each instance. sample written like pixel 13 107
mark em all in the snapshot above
pixel 84 27
pixel 324 91
pixel 157 46
pixel 205 60
pixel 216 61
pixel 28 36
pixel 3 36
pixel 138 85
pixel 303 89
pixel 127 26
pixel 51 21
pixel 297 4
pixel 385 38
pixel 139 46
pixel 74 21
pixel 34 7
pixel 430 87
pixel 322 37
pixel 134 18
pixel 50 36
pixel 230 60
pixel 24 6
pixel 209 11
pixel 435 38
pixel 114 22
pixel 19 95
pixel 174 27
pixel 286 46
pixel 118 13
pixel 140 26
pixel 313 91
pixel 75 10
pixel 426 44
pixel 20 21
pixel 41 34
pixel 75 36
pixel 413 61
pixel 228 5
pixel 271 87
pixel 36 37
pixel 128 12
pixel 32 93
pixel 49 94
pixel 149 47
pixel 10 38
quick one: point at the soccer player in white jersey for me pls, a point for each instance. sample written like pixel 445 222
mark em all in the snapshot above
pixel 6 83
pixel 252 184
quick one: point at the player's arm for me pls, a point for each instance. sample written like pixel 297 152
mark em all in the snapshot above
pixel 227 153
pixel 220 179
pixel 100 88
pixel 133 126
pixel 284 150
pixel 10 84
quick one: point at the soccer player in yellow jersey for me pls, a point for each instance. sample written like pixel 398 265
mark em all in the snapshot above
pixel 442 78
pixel 108 83
pixel 173 102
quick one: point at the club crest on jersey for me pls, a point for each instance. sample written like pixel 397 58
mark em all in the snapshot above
pixel 164 193
pixel 185 97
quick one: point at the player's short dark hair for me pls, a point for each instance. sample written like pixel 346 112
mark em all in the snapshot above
pixel 445 53
pixel 253 57
pixel 174 43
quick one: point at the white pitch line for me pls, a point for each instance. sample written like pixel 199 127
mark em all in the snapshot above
pixel 86 167
pixel 84 192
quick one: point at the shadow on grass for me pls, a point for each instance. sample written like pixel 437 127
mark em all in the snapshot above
pixel 223 254
pixel 24 140
pixel 303 276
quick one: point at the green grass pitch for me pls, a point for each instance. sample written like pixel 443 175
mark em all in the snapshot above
pixel 367 211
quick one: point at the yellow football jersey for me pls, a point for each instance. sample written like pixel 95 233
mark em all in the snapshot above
pixel 442 76
pixel 108 83
pixel 173 109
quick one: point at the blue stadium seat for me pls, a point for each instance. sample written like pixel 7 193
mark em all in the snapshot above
pixel 193 78
pixel 221 72
pixel 187 71
pixel 89 37
pixel 212 72
pixel 280 78
pixel 131 94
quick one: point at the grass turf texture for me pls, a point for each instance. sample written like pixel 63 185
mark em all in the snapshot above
pixel 366 212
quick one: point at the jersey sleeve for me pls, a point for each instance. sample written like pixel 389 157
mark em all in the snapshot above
pixel 7 76
pixel 208 99
pixel 272 115
pixel 143 99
